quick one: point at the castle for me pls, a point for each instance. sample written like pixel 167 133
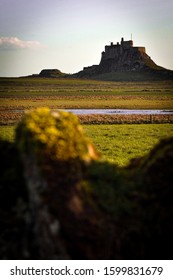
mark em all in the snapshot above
pixel 115 51
pixel 122 56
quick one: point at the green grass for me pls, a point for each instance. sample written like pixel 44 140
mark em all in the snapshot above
pixel 117 143
pixel 26 93
pixel 120 143
pixel 89 102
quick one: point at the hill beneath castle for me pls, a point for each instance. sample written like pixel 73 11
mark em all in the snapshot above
pixel 123 61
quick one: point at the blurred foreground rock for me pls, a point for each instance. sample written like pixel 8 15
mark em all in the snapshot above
pixel 60 200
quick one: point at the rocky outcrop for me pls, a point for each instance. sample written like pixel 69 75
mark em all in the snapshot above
pixel 51 73
pixel 62 201
pixel 121 58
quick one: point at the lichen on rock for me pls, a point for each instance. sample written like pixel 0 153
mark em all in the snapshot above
pixel 55 153
pixel 57 134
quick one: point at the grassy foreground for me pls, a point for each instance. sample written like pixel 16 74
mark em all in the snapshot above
pixel 117 143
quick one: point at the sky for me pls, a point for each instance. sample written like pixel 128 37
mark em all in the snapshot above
pixel 71 34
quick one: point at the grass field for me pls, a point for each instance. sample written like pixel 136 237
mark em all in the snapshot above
pixel 26 93
pixel 94 102
pixel 120 143
pixel 117 143
pixel 19 94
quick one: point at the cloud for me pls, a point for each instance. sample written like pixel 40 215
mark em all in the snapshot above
pixel 13 43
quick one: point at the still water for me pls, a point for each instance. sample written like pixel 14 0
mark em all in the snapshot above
pixel 119 111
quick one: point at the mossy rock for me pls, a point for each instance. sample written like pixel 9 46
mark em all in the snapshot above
pixel 58 135
pixel 56 154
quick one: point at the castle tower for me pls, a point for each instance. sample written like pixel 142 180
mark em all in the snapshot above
pixel 126 44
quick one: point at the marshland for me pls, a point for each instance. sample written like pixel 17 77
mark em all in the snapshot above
pixel 118 137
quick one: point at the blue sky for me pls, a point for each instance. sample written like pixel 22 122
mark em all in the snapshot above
pixel 71 34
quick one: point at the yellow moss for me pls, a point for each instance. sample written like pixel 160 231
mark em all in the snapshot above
pixel 58 135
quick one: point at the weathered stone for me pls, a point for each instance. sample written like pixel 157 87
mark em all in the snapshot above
pixel 55 154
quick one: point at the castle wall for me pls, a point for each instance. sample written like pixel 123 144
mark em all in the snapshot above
pixel 115 51
pixel 112 51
